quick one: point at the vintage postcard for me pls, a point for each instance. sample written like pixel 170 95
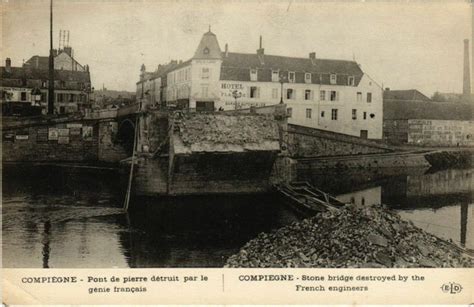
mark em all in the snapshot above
pixel 237 152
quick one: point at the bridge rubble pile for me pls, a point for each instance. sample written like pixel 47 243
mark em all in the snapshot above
pixel 231 130
pixel 353 237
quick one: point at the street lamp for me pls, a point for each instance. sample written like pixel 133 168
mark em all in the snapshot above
pixel 236 94
pixel 282 80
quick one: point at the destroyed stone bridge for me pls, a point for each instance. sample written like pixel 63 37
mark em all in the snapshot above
pixel 177 153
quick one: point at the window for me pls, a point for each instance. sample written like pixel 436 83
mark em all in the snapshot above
pixel 334 114
pixel 60 98
pixel 289 112
pixel 308 113
pixel 23 96
pixel 62 83
pixel 369 97
pixel 206 50
pixel 365 115
pixel 274 93
pixel 359 96
pixel 307 95
pixel 275 76
pixel 254 92
pixel 354 114
pixel 205 91
pixel 291 77
pixel 72 97
pixel 44 84
pixel 351 81
pixel 333 96
pixel 253 75
pixel 62 110
pixel 307 77
pixel 322 113
pixel 333 79
pixel 290 94
pixel 43 97
pixel 205 73
pixel 322 95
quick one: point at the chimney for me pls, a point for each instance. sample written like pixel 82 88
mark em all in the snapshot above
pixel 466 88
pixel 261 52
pixel 226 52
pixel 68 50
pixel 8 65
pixel 312 57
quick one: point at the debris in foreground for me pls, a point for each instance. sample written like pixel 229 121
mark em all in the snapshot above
pixel 353 237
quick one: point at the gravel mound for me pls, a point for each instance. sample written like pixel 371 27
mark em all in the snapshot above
pixel 355 236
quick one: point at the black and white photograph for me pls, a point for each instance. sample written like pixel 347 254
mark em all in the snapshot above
pixel 237 134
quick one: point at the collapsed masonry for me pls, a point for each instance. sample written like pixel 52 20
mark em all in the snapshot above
pixel 221 153
pixel 353 237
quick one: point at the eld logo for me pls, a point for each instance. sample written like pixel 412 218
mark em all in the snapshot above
pixel 451 288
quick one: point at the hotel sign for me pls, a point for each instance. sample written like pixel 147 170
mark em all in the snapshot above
pixel 227 90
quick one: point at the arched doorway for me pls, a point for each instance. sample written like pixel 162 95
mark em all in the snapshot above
pixel 125 135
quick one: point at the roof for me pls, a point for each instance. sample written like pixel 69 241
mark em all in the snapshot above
pixel 235 66
pixel 42 62
pixel 37 61
pixel 208 47
pixel 25 73
pixel 409 109
pixel 405 95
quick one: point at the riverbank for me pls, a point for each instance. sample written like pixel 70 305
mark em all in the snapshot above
pixel 439 158
pixel 445 159
pixel 355 236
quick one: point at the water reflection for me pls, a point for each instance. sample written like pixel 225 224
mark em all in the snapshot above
pixel 68 218
pixel 55 217
pixel 440 202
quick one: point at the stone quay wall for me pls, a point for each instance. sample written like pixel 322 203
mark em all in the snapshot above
pixel 60 140
pixel 310 142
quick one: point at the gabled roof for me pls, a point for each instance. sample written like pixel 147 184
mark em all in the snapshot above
pixel 208 47
pixel 236 66
pixel 412 95
pixel 408 109
pixel 251 60
pixel 37 61
pixel 25 73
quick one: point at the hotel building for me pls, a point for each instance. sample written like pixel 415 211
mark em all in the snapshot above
pixel 334 95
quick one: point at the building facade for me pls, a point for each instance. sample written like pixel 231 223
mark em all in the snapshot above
pixel 28 86
pixel 332 95
pixel 425 122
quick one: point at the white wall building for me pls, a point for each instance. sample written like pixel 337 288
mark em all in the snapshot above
pixel 333 95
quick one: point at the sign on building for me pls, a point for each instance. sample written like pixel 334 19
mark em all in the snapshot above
pixel 42 135
pixel 63 140
pixel 53 134
pixel 73 125
pixel 63 132
pixel 87 133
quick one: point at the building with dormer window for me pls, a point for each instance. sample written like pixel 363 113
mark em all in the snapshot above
pixel 334 95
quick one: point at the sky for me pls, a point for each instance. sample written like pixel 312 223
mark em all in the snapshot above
pixel 399 44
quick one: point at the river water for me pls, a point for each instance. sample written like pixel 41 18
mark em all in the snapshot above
pixel 60 217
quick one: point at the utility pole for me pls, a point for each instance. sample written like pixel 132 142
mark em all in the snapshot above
pixel 51 63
